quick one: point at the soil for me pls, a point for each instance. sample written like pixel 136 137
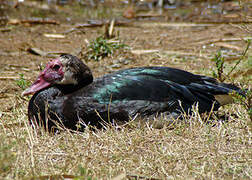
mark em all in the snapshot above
pixel 189 46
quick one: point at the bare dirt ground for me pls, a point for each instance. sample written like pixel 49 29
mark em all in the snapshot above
pixel 188 46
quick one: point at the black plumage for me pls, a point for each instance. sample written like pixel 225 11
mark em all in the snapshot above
pixel 75 97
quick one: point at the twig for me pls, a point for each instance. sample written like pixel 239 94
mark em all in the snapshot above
pixel 111 28
pixel 224 40
pixel 8 77
pixel 95 23
pixel 135 176
pixel 7 29
pixel 244 27
pixel 57 176
pixel 238 62
pixel 39 52
pixel 33 21
pixel 40 21
pixel 228 46
pixel 148 51
pixel 161 24
pixel 4 53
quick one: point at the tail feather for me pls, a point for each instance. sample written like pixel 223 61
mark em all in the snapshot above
pixel 224 99
pixel 234 88
pixel 222 91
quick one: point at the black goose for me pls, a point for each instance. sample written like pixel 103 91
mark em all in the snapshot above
pixel 66 93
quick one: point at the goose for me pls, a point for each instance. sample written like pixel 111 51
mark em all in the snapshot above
pixel 65 93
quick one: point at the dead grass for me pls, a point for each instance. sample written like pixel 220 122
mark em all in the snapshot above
pixel 193 150
pixel 196 150
pixel 221 149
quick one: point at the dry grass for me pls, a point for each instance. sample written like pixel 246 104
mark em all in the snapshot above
pixel 197 150
pixel 192 150
pixel 221 149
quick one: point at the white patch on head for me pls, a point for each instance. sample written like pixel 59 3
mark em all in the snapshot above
pixel 68 74
pixel 68 78
pixel 63 60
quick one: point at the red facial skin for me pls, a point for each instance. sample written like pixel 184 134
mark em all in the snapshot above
pixel 52 73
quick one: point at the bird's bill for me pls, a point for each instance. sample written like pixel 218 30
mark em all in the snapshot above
pixel 39 84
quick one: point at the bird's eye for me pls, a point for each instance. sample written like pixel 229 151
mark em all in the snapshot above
pixel 56 67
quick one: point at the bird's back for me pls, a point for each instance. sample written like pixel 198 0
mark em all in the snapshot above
pixel 169 87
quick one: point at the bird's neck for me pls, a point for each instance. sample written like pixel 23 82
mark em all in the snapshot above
pixel 70 88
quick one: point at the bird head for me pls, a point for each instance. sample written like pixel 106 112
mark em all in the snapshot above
pixel 64 70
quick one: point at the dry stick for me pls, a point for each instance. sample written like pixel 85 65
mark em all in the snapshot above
pixel 177 53
pixel 243 27
pixel 226 22
pixel 229 46
pixel 223 40
pixel 40 21
pixel 98 114
pixel 238 62
pixel 97 24
pixel 5 29
pixel 33 21
pixel 211 112
pixel 110 101
pixel 56 176
pixel 2 53
pixel 135 176
pixel 111 28
pixel 8 77
pixel 31 145
pixel 37 51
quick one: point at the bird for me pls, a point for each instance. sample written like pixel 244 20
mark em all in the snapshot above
pixel 66 94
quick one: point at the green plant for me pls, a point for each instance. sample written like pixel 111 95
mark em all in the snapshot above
pixel 246 102
pixel 22 83
pixel 221 76
pixel 219 63
pixel 84 174
pixel 102 47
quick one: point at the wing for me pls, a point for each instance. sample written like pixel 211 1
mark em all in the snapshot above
pixel 160 84
pixel 130 85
